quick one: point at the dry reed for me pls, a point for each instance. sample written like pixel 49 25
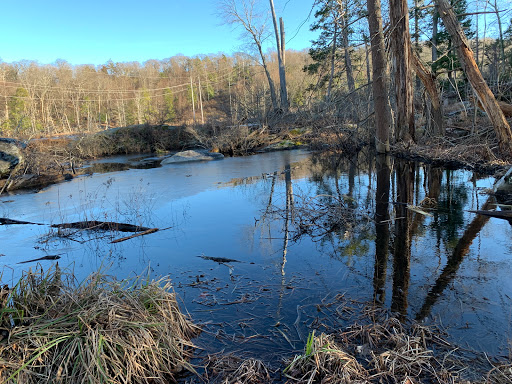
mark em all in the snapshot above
pixel 230 369
pixel 101 330
pixel 325 361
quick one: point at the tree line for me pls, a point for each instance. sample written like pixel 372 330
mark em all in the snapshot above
pixel 58 98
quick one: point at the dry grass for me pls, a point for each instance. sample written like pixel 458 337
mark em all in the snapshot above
pixel 99 331
pixel 501 374
pixel 229 369
pixel 325 361
pixel 383 352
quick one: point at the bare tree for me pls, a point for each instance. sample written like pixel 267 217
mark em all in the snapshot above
pixel 244 14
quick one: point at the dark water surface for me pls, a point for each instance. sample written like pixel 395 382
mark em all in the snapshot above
pixel 441 265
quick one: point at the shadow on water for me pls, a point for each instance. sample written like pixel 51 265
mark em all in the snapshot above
pixel 313 234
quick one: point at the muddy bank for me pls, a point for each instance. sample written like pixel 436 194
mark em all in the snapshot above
pixel 48 161
pixel 53 160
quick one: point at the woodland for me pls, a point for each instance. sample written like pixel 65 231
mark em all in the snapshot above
pixel 392 73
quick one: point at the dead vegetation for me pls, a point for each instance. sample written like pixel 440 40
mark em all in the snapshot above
pixel 230 369
pixel 324 361
pixel 102 330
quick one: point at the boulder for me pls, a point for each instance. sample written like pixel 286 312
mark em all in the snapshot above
pixel 11 154
pixel 192 155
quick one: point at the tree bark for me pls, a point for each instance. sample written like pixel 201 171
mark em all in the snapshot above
pixel 429 82
pixel 401 53
pixel 380 77
pixel 484 94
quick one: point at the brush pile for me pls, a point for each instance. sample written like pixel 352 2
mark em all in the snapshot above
pixel 102 330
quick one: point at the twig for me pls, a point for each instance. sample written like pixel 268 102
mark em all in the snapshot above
pixel 147 232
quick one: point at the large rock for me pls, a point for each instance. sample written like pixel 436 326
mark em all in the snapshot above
pixel 11 154
pixel 192 155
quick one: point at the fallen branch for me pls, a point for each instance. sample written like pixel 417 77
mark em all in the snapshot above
pixel 146 232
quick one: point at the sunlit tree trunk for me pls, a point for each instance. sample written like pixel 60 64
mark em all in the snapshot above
pixel 401 54
pixel 348 61
pixel 333 59
pixel 480 87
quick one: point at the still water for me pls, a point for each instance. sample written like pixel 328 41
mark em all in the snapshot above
pixel 301 231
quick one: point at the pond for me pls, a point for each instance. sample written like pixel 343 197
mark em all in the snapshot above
pixel 260 247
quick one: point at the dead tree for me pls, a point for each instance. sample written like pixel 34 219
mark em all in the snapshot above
pixel 244 14
pixel 480 87
pixel 280 58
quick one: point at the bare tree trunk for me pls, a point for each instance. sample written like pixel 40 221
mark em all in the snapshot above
pixel 271 86
pixel 380 78
pixel 333 56
pixel 348 61
pixel 401 52
pixel 475 78
pixel 435 20
pixel 429 82
pixel 280 52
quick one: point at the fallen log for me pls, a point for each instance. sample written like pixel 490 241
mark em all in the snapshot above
pixel 146 232
pixel 49 257
pixel 6 221
pixel 219 259
pixel 101 225
pixel 506 108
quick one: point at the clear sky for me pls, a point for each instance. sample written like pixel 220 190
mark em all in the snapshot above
pixel 95 31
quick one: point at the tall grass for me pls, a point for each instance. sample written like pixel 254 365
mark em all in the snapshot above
pixel 99 331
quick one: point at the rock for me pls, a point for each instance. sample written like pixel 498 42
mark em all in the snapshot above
pixel 192 155
pixel 10 155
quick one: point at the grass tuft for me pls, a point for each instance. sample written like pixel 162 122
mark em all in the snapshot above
pixel 99 331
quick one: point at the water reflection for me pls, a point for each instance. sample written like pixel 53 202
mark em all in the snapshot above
pixel 404 176
pixel 305 228
pixel 454 261
pixel 383 163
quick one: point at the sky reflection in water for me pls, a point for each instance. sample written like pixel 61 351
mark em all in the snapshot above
pixel 451 267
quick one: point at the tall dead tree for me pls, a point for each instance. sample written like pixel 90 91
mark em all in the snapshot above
pixel 480 87
pixel 401 56
pixel 380 77
pixel 280 58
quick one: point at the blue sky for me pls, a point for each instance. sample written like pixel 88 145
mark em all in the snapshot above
pixel 95 31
